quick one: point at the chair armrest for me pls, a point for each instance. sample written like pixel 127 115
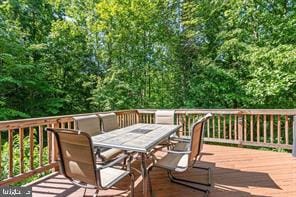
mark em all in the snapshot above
pixel 181 139
pixel 112 163
pixel 179 152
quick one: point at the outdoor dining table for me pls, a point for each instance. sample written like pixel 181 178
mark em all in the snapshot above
pixel 140 138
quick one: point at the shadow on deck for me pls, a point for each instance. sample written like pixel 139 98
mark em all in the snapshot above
pixel 236 172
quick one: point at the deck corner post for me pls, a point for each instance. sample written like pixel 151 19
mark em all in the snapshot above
pixel 240 130
pixel 294 136
pixel 54 153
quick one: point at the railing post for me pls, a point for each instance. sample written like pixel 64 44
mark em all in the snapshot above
pixel 137 116
pixel 54 152
pixel 294 136
pixel 240 130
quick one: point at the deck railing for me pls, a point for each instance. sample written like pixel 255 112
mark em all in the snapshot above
pixel 251 127
pixel 27 149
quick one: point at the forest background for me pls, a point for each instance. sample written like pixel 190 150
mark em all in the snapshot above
pixel 66 57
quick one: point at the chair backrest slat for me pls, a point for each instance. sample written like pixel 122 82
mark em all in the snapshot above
pixel 196 137
pixel 89 124
pixel 164 116
pixel 109 122
pixel 76 155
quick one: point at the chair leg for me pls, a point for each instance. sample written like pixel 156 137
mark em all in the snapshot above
pixel 209 174
pixel 188 183
pixel 84 192
pixel 96 192
pixel 132 184
pixel 149 180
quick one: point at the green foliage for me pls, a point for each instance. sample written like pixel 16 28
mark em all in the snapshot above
pixel 62 57
pixel 26 158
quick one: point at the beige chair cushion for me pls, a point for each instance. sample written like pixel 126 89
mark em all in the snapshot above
pixel 109 176
pixel 109 121
pixel 182 146
pixel 110 154
pixel 172 161
pixel 89 124
pixel 164 116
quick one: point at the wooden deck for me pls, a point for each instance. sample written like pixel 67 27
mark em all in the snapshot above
pixel 236 172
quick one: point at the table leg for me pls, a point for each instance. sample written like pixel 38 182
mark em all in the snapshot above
pixel 144 174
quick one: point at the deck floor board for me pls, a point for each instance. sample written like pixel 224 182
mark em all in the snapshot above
pixel 236 172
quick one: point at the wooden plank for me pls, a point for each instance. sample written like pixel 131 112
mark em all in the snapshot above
pixel 264 128
pixel 0 152
pixel 235 127
pixel 40 129
pixel 219 126
pixel 188 124
pixel 294 137
pixel 271 128
pixel 257 144
pixel 213 125
pixel 69 125
pixel 25 175
pixel 230 128
pixel 245 127
pixel 49 145
pixel 243 172
pixel 258 128
pixel 240 129
pixel 287 129
pixel 251 128
pixel 224 126
pixel 21 136
pixel 279 129
pixel 54 148
pixel 208 128
pixel 31 138
pixel 10 158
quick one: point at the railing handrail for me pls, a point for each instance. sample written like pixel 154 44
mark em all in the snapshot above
pixel 11 124
pixel 229 111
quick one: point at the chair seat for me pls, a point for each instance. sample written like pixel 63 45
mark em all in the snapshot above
pixel 173 161
pixel 110 153
pixel 109 176
pixel 182 146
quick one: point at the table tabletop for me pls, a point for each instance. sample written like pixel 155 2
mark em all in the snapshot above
pixel 137 137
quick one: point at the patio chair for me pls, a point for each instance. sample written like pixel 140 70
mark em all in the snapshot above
pixel 165 117
pixel 91 125
pixel 78 164
pixel 108 122
pixel 184 156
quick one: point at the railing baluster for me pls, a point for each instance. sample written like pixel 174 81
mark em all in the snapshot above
pixel 279 129
pixel 245 128
pixel 235 127
pixel 21 136
pixel 230 128
pixel 10 145
pixel 264 128
pixel 31 137
pixel 69 125
pixel 251 128
pixel 224 126
pixel 287 129
pixel 0 152
pixel 258 128
pixel 213 125
pixel 49 145
pixel 271 128
pixel 208 128
pixel 40 129
pixel 219 127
